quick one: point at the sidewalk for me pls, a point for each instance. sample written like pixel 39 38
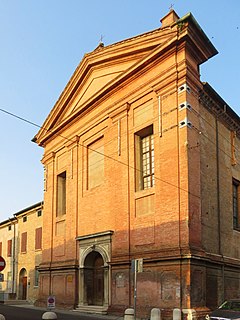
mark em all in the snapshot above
pixel 72 312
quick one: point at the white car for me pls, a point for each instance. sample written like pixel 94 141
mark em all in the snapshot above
pixel 230 309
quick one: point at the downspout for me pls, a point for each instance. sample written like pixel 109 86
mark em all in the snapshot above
pixel 14 258
pixel 218 189
pixel 219 208
pixel 178 169
pixel 77 273
pixel 129 222
pixel 51 249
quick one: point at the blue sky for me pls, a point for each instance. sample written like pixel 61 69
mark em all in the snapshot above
pixel 42 42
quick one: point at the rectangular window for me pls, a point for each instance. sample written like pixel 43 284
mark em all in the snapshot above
pixel 61 194
pixel 24 218
pixel 95 168
pixel 38 238
pixel 9 248
pixel 235 199
pixel 24 242
pixel 144 152
pixel 36 277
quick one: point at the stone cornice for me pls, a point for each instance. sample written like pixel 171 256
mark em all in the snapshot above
pixel 95 235
pixel 217 106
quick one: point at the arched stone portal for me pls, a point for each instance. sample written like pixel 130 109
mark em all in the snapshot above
pixel 94 275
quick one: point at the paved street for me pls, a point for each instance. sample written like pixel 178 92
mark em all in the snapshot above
pixel 31 313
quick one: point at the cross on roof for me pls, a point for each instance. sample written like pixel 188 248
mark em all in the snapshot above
pixel 171 6
pixel 101 38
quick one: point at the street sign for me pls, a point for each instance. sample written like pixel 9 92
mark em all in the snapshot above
pixel 139 265
pixel 51 302
pixel 2 263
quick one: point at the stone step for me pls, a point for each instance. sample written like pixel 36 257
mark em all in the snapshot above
pixel 92 309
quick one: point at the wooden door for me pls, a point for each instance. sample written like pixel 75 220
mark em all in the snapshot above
pixel 98 282
pixel 24 288
pixel 94 279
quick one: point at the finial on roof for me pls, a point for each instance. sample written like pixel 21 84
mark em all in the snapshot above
pixel 100 46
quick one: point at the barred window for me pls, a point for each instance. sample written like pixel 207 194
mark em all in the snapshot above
pixel 144 150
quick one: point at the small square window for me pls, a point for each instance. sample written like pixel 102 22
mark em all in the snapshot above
pixel 24 218
pixel 9 228
pixel 39 213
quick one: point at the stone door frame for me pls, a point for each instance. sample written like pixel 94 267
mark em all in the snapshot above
pixel 101 243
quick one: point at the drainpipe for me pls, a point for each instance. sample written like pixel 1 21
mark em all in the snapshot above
pixel 218 189
pixel 129 222
pixel 51 252
pixel 76 302
pixel 178 177
pixel 219 209
pixel 14 257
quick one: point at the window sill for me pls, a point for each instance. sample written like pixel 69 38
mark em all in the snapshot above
pixel 61 218
pixel 144 192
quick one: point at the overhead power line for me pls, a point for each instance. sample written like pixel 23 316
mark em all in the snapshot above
pixel 104 155
pixel 111 155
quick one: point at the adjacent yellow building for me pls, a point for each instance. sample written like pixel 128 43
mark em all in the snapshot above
pixel 21 248
pixel 29 248
pixel 8 239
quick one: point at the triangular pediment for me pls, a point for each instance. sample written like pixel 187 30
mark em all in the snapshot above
pixel 106 68
pixel 97 77
pixel 96 71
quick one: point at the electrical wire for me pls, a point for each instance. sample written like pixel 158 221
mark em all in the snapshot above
pixel 104 155
pixel 110 156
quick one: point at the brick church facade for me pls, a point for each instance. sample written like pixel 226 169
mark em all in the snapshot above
pixel 141 161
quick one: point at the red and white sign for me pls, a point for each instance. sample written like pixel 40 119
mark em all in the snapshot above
pixel 51 302
pixel 2 263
